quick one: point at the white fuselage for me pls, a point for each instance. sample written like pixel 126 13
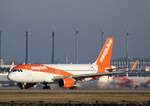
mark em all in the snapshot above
pixel 29 76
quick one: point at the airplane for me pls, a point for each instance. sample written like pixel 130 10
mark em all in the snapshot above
pixel 65 75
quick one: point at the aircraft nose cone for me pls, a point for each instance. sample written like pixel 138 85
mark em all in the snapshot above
pixel 10 76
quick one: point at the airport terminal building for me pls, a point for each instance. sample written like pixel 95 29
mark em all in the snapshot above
pixel 143 65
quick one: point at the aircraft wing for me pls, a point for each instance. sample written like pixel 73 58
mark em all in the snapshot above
pixel 116 68
pixel 80 76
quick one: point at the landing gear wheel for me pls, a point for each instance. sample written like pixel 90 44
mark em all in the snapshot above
pixel 46 86
pixel 20 85
pixel 72 88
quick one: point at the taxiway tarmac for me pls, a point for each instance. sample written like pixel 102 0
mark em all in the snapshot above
pixel 15 89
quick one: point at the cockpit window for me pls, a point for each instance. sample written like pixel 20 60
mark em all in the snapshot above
pixel 14 70
pixel 18 70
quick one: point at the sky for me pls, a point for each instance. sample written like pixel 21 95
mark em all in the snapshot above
pixel 90 17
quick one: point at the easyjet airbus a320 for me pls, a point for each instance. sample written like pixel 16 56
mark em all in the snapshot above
pixel 65 75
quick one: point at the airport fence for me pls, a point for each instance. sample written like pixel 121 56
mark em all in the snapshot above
pixel 73 103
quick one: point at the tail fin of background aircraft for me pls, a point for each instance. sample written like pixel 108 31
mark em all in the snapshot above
pixel 135 65
pixel 12 66
pixel 104 59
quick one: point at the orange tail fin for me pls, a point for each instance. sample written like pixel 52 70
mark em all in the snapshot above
pixel 134 67
pixel 104 59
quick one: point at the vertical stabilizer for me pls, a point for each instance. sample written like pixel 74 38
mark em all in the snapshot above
pixel 135 65
pixel 104 59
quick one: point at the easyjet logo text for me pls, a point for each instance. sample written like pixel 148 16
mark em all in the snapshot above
pixel 38 68
pixel 106 50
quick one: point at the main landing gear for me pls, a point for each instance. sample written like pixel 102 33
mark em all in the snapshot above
pixel 46 86
pixel 73 88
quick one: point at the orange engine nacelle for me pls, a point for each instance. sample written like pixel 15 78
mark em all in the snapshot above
pixel 66 82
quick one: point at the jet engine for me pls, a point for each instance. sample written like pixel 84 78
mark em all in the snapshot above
pixel 66 82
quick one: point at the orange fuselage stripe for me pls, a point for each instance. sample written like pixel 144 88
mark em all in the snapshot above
pixel 43 68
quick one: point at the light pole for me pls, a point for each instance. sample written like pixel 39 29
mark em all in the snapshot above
pixel 0 48
pixel 102 40
pixel 53 46
pixel 76 46
pixel 26 50
pixel 126 44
